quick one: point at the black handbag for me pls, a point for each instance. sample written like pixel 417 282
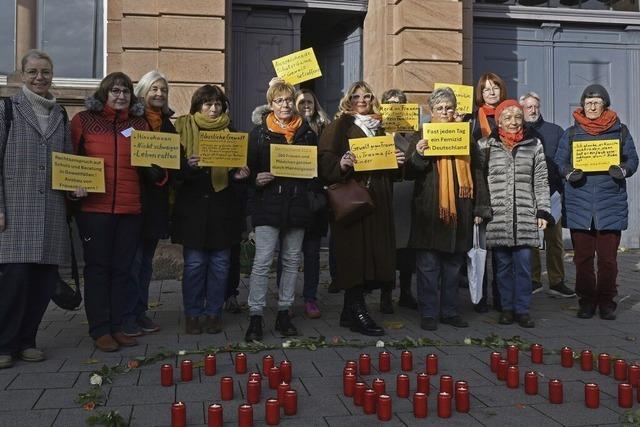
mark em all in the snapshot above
pixel 349 201
pixel 66 296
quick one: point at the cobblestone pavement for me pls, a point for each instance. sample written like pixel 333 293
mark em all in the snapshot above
pixel 42 394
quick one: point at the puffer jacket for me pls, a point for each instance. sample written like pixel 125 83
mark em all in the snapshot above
pixel 596 199
pixel 97 132
pixel 518 191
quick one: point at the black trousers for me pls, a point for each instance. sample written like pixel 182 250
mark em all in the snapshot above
pixel 110 242
pixel 26 291
pixel 234 272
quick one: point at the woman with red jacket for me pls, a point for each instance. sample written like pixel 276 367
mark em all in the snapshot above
pixel 109 222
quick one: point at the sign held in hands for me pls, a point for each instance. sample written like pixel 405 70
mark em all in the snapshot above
pixel 464 96
pixel 446 139
pixel 70 172
pixel 298 67
pixel 159 148
pixel 223 149
pixel 595 156
pixel 294 161
pixel 400 117
pixel 374 153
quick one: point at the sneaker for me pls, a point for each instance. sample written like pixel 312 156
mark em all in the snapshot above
pixel 311 309
pixel 561 291
pixel 147 325
pixel 536 287
pixel 131 328
pixel 31 355
pixel 428 324
pixel 6 361
pixel 231 305
pixel 455 321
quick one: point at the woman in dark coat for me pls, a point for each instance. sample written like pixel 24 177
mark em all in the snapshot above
pixel 365 250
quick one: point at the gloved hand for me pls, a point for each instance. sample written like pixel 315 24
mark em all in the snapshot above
pixel 617 172
pixel 575 175
pixel 155 173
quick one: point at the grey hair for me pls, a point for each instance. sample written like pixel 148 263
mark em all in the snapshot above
pixel 38 54
pixel 530 95
pixel 442 94
pixel 394 93
pixel 145 83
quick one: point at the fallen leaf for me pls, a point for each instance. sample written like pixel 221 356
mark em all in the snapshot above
pixel 390 324
pixel 155 304
pixel 91 361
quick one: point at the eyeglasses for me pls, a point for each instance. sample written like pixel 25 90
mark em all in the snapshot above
pixel 366 97
pixel 32 73
pixel 281 101
pixel 492 89
pixel 444 109
pixel 594 104
pixel 117 92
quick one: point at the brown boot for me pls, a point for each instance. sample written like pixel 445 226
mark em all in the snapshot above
pixel 213 325
pixel 124 340
pixel 107 344
pixel 192 326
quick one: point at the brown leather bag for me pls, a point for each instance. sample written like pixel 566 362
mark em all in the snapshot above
pixel 349 202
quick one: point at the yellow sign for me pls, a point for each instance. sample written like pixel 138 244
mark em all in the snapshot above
pixel 400 117
pixel 464 96
pixel 298 67
pixel 70 172
pixel 374 153
pixel 159 148
pixel 294 161
pixel 596 156
pixel 446 139
pixel 223 149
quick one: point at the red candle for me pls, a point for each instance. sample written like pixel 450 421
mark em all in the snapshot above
pixel 422 383
pixel 536 353
pixel 290 402
pixel 625 395
pixel 286 371
pixel 566 357
pixel 267 363
pixel 495 358
pixel 178 415
pixel 513 377
pixel 255 376
pixel 444 405
pixel 620 370
pixel 420 405
pixel 591 395
pixel 461 384
pixel 446 384
pixel 358 393
pixel 402 385
pixel 214 415
pixel 604 363
pixel 241 363
pixel 555 391
pixel 253 391
pixel 346 370
pixel 531 383
pixel 512 354
pixel 283 387
pixel 274 377
pixel 351 364
pixel 384 361
pixel 186 370
pixel 364 364
pixel 432 364
pixel 586 360
pixel 166 375
pixel 406 361
pixel 502 369
pixel 379 386
pixel 384 407
pixel 634 374
pixel 462 399
pixel 349 384
pixel 226 388
pixel 210 365
pixel 370 397
pixel 245 415
pixel 272 412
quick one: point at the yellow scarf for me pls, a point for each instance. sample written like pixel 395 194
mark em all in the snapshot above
pixel 189 128
pixel 446 186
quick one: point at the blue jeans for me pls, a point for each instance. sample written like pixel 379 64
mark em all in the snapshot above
pixel 311 263
pixel 438 269
pixel 204 281
pixel 513 273
pixel 139 279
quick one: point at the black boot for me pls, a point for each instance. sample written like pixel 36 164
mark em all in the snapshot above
pixel 386 303
pixel 254 331
pixel 362 322
pixel 284 325
pixel 406 297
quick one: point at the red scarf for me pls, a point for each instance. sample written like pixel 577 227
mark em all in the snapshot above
pixel 511 139
pixel 596 126
pixel 483 112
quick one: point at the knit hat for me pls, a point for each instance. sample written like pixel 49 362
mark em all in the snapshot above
pixel 506 104
pixel 596 91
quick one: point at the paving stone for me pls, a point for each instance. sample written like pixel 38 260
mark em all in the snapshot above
pixel 6 379
pixel 18 399
pixel 43 418
pixel 140 395
pixel 576 414
pixel 60 398
pixel 512 415
pixel 77 417
pixel 432 419
pixel 362 420
pixel 503 396
pixel 49 365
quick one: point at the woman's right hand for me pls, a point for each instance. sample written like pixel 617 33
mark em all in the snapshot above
pixel 347 160
pixel 193 160
pixel 263 178
pixel 421 146
pixel 79 193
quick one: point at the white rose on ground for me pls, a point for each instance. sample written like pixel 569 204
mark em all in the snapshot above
pixel 467 341
pixel 95 379
pixel 286 344
pixel 380 344
pixel 182 352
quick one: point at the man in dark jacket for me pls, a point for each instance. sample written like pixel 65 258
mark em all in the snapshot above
pixel 549 133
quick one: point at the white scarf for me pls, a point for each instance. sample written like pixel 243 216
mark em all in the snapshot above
pixel 368 124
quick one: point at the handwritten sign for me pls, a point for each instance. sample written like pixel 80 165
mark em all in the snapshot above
pixel 374 153
pixel 160 148
pixel 596 156
pixel 298 67
pixel 70 172
pixel 400 117
pixel 464 96
pixel 446 139
pixel 223 149
pixel 294 161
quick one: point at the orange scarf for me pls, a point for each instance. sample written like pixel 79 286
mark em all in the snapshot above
pixel 154 118
pixel 484 112
pixel 446 186
pixel 510 139
pixel 287 129
pixel 597 126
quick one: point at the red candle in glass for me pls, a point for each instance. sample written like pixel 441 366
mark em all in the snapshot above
pixel 406 361
pixel 462 399
pixel 351 364
pixel 286 371
pixel 210 365
pixel 531 383
pixel 402 385
pixel 358 393
pixel 555 391
pixel 283 387
pixel 422 383
pixel 346 370
pixel 384 407
pixel 349 384
pixel 384 361
pixel 502 369
pixel 446 384
pixel 461 384
pixel 178 414
pixel 290 402
pixel 369 403
pixel 586 360
pixel 444 405
pixel 267 363
pixel 625 395
pixel 186 370
pixel 634 375
pixel 255 376
pixel 272 412
pixel 379 386
pixel 591 395
pixel 364 364
pixel 604 363
pixel 420 405
pixel 513 377
pixel 215 415
pixel 432 364
pixel 226 388
pixel 245 415
pixel 241 363
pixel 274 377
pixel 638 393
pixel 166 375
pixel 566 357
pixel 493 361
pixel 253 391
pixel 620 370
pixel 512 354
pixel 536 353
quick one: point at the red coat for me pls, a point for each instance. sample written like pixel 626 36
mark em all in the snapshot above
pixel 97 132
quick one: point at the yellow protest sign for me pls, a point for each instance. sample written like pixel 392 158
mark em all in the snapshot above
pixel 70 172
pixel 464 96
pixel 596 156
pixel 294 161
pixel 223 149
pixel 298 67
pixel 446 139
pixel 400 117
pixel 159 148
pixel 374 153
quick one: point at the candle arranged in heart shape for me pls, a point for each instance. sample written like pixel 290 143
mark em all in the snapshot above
pixel 370 398
pixel 241 363
pixel 267 363
pixel 272 412
pixel 586 360
pixel 384 361
pixel 364 364
pixel 215 416
pixel 420 405
pixel 166 375
pixel 245 415
pixel 384 407
pixel 536 353
pixel 210 365
pixel 512 354
pixel 178 414
pixel 226 388
pixel 531 382
pixel 591 395
pixel 432 364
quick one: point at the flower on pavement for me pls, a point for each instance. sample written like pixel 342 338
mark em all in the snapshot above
pixel 182 352
pixel 380 344
pixel 89 406
pixel 133 364
pixel 95 379
pixel 467 341
pixel 286 344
